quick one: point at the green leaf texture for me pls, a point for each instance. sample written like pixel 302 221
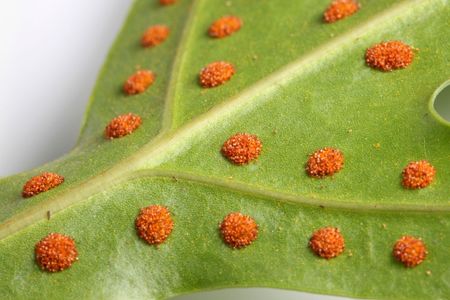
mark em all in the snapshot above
pixel 300 85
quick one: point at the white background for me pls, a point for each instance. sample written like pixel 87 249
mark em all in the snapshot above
pixel 50 54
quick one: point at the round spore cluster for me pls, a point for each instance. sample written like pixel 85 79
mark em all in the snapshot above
pixel 418 175
pixel 410 251
pixel 122 125
pixel 388 56
pixel 216 73
pixel 242 148
pixel 154 224
pixel 56 252
pixel 238 230
pixel 167 2
pixel 340 9
pixel 327 242
pixel 41 183
pixel 155 35
pixel 139 82
pixel 325 162
pixel 225 26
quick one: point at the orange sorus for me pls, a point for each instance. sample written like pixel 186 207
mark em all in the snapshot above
pixel 327 242
pixel 55 252
pixel 242 148
pixel 138 82
pixel 340 9
pixel 154 224
pixel 225 26
pixel 325 162
pixel 155 35
pixel 122 126
pixel 238 230
pixel 41 183
pixel 216 73
pixel 418 174
pixel 410 251
pixel 388 56
pixel 167 2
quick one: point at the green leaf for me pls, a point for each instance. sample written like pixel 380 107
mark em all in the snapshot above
pixel 300 85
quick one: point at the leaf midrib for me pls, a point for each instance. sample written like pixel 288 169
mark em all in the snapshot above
pixel 170 143
pixel 262 192
pixel 167 121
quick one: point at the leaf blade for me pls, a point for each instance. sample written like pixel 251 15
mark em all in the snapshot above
pixel 192 178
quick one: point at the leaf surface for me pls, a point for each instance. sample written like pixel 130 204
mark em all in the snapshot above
pixel 300 85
